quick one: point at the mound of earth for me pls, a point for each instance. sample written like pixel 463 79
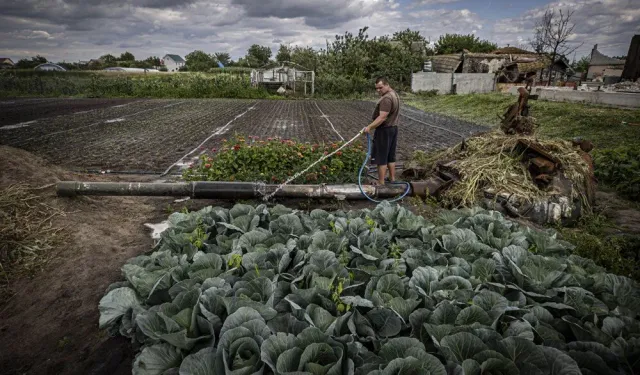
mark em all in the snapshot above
pixel 50 324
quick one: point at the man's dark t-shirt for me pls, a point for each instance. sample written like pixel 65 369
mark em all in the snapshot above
pixel 390 102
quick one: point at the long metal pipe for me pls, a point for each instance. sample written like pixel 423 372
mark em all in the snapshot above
pixel 225 190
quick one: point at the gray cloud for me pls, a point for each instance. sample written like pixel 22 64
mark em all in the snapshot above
pixel 319 14
pixel 74 30
pixel 608 23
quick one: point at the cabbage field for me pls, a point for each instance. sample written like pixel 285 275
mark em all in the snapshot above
pixel 271 290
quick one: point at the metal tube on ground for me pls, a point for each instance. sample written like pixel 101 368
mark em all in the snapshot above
pixel 223 190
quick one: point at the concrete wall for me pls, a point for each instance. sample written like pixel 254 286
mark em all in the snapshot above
pixel 618 99
pixel 466 83
pixel 427 81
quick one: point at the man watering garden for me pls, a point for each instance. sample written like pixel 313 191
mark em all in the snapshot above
pixel 385 122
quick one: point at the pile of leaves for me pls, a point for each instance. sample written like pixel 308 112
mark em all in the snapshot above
pixel 274 160
pixel 253 290
pixel 620 169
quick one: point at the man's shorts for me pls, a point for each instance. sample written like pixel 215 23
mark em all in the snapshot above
pixel 384 145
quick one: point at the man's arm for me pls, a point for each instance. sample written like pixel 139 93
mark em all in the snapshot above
pixel 377 122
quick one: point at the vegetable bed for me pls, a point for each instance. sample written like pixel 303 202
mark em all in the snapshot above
pixel 259 290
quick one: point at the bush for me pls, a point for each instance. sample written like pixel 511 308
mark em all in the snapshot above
pixel 619 168
pixel 274 160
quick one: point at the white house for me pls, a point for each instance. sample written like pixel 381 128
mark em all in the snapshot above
pixel 172 62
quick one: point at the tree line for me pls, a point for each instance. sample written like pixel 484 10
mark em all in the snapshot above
pixel 359 57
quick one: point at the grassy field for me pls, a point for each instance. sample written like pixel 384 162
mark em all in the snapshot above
pixel 601 125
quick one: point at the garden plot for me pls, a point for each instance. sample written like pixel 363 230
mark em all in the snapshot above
pixel 25 110
pixel 163 135
pixel 418 130
pixel 37 130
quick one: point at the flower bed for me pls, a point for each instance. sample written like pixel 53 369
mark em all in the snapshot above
pixel 273 160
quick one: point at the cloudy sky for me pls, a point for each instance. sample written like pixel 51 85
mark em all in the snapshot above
pixel 73 30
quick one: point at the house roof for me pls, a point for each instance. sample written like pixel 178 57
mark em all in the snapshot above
pixel 175 58
pixel 6 60
pixel 512 51
pixel 599 59
pixel 446 63
pixel 484 55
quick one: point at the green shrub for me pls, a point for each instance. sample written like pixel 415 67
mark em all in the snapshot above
pixel 274 160
pixel 341 86
pixel 619 168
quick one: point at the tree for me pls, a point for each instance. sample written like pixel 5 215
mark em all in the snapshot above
pixel 553 33
pixel 223 57
pixel 30 64
pixel 284 53
pixel 108 59
pixel 581 65
pixel 408 38
pixel 127 56
pixel 305 57
pixel 152 61
pixel 258 55
pixel 456 43
pixel 199 61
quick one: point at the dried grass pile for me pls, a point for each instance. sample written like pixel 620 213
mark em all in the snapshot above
pixel 499 163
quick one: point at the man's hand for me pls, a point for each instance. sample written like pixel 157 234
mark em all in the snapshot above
pixel 366 130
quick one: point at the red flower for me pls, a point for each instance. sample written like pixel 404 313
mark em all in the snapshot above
pixel 213 149
pixel 326 153
pixel 207 166
pixel 339 153
pixel 236 147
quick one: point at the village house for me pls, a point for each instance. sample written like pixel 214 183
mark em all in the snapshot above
pixel 6 63
pixel 601 66
pixel 172 62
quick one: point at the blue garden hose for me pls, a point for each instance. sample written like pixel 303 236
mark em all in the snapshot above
pixel 364 164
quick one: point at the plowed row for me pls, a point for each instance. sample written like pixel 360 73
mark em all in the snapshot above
pixel 151 135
